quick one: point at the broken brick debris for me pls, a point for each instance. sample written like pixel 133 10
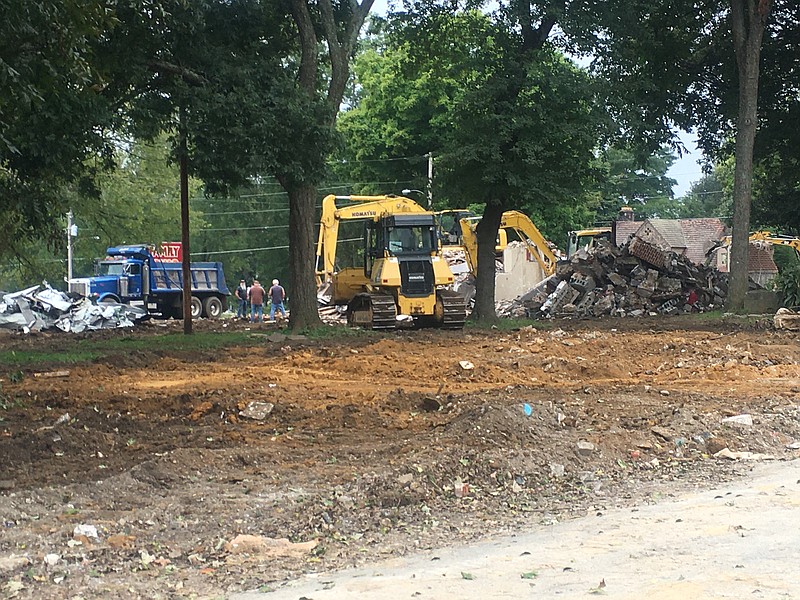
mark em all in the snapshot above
pixel 633 280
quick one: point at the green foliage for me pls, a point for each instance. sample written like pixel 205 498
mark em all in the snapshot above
pixel 51 113
pixel 787 282
pixel 709 197
pixel 451 84
pixel 641 184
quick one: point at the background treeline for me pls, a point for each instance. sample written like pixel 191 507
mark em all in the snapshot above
pixel 565 110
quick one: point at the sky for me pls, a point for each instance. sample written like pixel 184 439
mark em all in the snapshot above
pixel 686 169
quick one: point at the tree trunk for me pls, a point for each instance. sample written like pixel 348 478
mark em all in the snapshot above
pixel 302 195
pixel 301 290
pixel 486 232
pixel 748 18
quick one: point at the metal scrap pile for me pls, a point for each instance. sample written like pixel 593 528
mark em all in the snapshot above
pixel 634 280
pixel 41 307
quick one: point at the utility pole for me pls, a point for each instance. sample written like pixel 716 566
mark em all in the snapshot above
pixel 184 185
pixel 429 155
pixel 72 231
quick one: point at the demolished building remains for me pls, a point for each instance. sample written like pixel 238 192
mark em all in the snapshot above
pixel 41 307
pixel 636 279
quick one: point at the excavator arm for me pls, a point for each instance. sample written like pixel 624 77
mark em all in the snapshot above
pixel 521 224
pixel 769 238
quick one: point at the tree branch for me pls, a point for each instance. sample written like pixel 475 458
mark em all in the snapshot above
pixel 308 44
pixel 187 75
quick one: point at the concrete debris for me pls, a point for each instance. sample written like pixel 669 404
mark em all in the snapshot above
pixel 727 453
pixel 633 280
pixel 786 319
pixel 41 307
pixel 745 420
pixel 257 410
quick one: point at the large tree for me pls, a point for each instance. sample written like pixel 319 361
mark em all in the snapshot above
pixel 318 84
pixel 51 116
pixel 748 20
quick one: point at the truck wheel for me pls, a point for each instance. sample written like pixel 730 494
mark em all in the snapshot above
pixel 212 307
pixel 197 307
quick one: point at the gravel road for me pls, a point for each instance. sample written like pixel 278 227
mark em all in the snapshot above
pixel 738 541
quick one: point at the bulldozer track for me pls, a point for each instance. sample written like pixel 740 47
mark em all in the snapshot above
pixel 455 309
pixel 373 311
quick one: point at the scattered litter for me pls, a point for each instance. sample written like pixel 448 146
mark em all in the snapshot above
pixel 41 307
pixel 527 409
pixel 51 560
pixel 461 488
pixel 257 410
pixel 745 419
pixel 89 531
pixel 466 365
pixel 63 419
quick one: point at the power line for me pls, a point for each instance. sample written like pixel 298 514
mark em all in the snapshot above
pixel 243 228
pixel 241 250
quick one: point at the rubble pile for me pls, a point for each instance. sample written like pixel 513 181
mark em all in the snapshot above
pixel 41 307
pixel 633 280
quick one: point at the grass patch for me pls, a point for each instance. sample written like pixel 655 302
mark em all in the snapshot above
pixel 87 350
pixel 19 358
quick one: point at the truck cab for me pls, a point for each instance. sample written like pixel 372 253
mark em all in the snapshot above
pixel 137 275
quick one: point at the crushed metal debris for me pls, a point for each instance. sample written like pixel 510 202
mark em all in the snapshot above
pixel 41 307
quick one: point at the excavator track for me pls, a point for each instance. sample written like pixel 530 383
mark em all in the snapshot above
pixel 453 307
pixel 372 311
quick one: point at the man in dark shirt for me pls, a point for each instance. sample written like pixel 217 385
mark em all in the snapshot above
pixel 241 296
pixel 256 296
pixel 276 295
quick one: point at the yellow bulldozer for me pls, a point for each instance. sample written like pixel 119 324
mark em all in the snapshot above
pixel 401 275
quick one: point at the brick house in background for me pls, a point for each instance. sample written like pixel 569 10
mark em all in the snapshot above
pixel 760 262
pixel 694 238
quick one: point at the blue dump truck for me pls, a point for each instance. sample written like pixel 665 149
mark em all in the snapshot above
pixel 143 276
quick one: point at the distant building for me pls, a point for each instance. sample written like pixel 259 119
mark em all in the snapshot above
pixel 694 238
pixel 760 262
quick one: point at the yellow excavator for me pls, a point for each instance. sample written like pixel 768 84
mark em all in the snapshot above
pixel 586 238
pixel 769 238
pixel 401 271
pixel 458 229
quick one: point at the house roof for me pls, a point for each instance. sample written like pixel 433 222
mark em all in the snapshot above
pixel 760 259
pixel 671 231
pixel 690 237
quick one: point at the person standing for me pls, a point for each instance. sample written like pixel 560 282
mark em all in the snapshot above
pixel 276 295
pixel 241 296
pixel 256 296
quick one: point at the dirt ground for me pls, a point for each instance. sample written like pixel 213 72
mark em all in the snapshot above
pixel 129 477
